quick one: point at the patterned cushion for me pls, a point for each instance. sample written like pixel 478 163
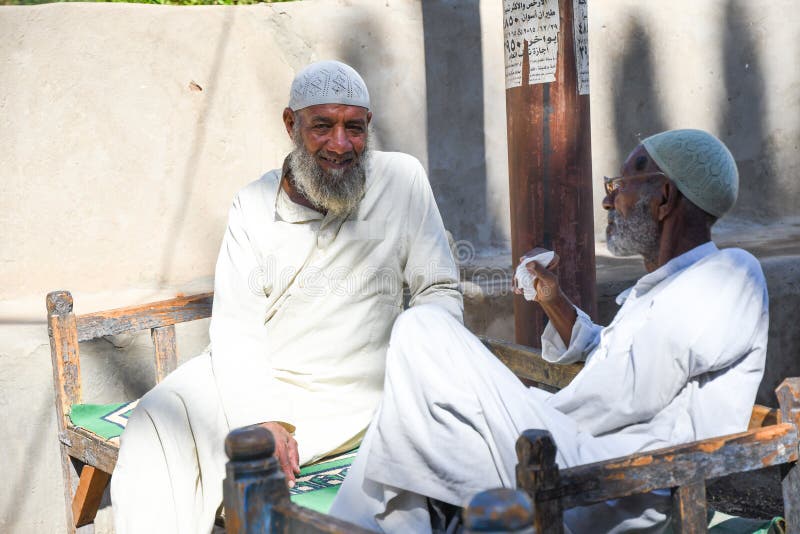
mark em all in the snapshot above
pixel 315 487
pixel 106 421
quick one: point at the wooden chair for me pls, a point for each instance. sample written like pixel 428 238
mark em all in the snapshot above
pixel 83 453
pixel 251 496
pixel 256 498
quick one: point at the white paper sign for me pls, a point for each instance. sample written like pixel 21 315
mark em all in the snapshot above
pixel 538 23
pixel 580 22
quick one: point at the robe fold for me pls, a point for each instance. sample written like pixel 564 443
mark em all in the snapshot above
pixel 681 361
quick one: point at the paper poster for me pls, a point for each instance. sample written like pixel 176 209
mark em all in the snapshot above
pixel 535 21
pixel 580 20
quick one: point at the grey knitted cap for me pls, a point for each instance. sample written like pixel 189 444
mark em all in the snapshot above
pixel 700 165
pixel 328 82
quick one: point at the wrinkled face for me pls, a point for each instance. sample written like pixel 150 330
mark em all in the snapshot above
pixel 331 150
pixel 632 224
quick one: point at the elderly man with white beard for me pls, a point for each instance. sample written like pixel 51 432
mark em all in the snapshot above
pixel 681 361
pixel 308 283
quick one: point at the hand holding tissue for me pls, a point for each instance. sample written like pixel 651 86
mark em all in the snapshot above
pixel 525 279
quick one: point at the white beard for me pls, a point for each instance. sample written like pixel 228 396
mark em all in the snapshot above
pixel 635 234
pixel 337 192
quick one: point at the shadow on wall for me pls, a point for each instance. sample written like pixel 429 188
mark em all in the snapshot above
pixel 198 146
pixel 741 117
pixel 454 81
pixel 638 113
pixel 353 53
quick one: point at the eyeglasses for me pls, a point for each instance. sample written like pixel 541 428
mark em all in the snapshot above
pixel 615 182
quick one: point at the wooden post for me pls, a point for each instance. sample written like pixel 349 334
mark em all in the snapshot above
pixel 62 329
pixel 499 510
pixel 536 471
pixel 254 483
pixel 788 394
pixel 689 508
pixel 550 179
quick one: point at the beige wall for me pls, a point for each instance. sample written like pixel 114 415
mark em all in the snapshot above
pixel 116 176
pixel 117 173
pixel 727 66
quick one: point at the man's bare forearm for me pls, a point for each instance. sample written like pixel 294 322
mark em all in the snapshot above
pixel 562 315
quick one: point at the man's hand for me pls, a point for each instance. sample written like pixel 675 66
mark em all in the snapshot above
pixel 554 302
pixel 285 451
pixel 545 282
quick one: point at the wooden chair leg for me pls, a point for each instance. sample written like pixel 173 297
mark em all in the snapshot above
pixel 87 498
pixel 689 509
pixel 69 478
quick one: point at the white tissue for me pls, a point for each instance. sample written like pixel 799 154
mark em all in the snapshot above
pixel 525 279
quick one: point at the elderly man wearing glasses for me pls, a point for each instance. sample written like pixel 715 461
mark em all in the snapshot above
pixel 681 361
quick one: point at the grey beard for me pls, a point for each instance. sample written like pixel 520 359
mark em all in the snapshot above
pixel 637 233
pixel 338 192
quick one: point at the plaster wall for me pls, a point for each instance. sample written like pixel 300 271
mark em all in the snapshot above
pixel 125 131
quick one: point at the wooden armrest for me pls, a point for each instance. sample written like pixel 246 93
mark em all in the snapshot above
pixel 669 467
pixel 145 316
pixel 527 363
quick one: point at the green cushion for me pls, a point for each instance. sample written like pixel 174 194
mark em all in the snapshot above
pixel 318 483
pixel 315 488
pixel 105 420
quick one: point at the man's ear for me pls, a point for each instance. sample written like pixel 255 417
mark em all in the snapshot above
pixel 288 120
pixel 369 117
pixel 670 197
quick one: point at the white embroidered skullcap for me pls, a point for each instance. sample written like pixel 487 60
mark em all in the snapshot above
pixel 328 82
pixel 700 165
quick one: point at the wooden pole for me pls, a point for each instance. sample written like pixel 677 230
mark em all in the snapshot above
pixel 549 160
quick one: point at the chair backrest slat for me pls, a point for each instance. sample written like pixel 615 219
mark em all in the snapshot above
pixel 144 317
pixel 64 353
pixel 166 350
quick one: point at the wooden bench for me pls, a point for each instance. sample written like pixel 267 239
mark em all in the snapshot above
pixel 684 469
pixel 88 460
pixel 256 498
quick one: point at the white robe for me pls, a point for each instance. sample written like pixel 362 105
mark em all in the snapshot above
pixel 303 310
pixel 681 361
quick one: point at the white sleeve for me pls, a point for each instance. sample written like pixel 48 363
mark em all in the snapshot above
pixel 709 319
pixel 584 338
pixel 240 353
pixel 430 270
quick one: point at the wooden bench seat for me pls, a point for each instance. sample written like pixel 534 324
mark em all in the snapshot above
pixel 88 460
